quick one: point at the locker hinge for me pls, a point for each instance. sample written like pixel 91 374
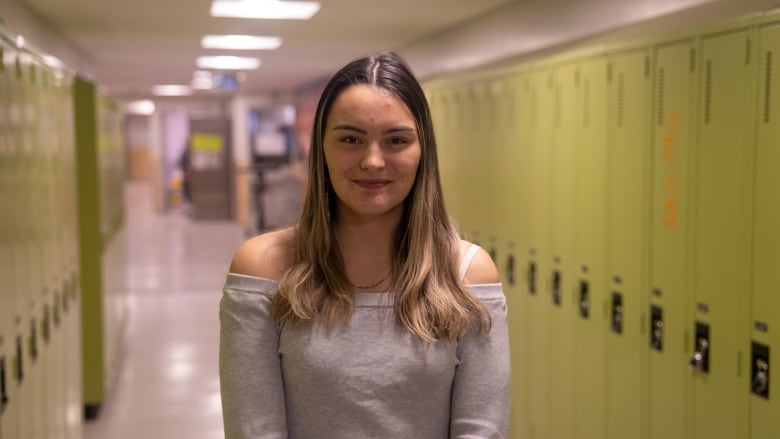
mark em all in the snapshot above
pixel 747 51
pixel 693 60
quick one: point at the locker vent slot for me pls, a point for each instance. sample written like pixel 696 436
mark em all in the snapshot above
pixel 768 87
pixel 586 112
pixel 708 93
pixel 661 91
pixel 621 99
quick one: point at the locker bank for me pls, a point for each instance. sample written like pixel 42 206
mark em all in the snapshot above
pixel 632 207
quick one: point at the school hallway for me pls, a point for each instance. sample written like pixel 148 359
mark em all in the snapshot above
pixel 170 271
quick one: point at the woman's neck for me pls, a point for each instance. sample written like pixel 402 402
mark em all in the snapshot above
pixel 367 248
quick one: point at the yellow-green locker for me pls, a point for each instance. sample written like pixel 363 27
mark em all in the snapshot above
pixel 29 285
pixel 673 104
pixel 52 313
pixel 6 273
pixel 93 327
pixel 720 224
pixel 518 167
pixel 463 151
pixel 765 308
pixel 454 161
pixel 16 337
pixel 540 137
pixel 560 281
pixel 627 174
pixel 70 300
pixel 40 410
pixel 494 129
pixel 475 149
pixel 590 318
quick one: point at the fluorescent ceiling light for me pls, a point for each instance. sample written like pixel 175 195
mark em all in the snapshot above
pixel 228 63
pixel 144 107
pixel 270 9
pixel 171 90
pixel 240 42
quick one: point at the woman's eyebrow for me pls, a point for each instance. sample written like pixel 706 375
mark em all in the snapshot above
pixel 362 131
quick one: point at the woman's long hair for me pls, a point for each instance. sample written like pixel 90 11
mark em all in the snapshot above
pixel 431 301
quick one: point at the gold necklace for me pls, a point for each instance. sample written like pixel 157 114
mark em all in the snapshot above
pixel 365 287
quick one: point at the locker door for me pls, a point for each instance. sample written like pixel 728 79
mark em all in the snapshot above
pixel 518 299
pixel 497 169
pixel 627 175
pixel 449 154
pixel 720 225
pixel 458 151
pixel 468 155
pixel 559 294
pixel 667 377
pixel 26 331
pixel 765 309
pixel 540 136
pixel 589 238
pixel 6 257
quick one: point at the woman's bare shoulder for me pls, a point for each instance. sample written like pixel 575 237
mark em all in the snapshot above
pixel 482 269
pixel 268 255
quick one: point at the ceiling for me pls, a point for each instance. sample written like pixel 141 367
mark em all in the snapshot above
pixel 133 45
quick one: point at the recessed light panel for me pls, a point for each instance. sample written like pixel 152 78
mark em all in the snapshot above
pixel 228 63
pixel 265 9
pixel 240 42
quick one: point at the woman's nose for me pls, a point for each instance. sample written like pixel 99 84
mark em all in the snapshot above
pixel 374 157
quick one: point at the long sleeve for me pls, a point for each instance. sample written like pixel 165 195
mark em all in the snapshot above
pixel 250 373
pixel 480 389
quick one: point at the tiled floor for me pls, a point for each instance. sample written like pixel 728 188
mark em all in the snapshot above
pixel 171 271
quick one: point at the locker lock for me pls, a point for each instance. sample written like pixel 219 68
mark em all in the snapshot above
pixel 656 328
pixel 3 386
pixel 584 299
pixel 510 269
pixel 532 277
pixel 617 313
pixel 556 288
pixel 700 360
pixel 760 365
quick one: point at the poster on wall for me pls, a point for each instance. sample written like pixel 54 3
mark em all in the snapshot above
pixel 207 151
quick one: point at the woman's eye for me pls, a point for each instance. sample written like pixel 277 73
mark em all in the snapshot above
pixel 397 141
pixel 350 139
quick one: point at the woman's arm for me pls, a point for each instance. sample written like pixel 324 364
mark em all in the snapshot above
pixel 480 389
pixel 253 402
pixel 250 372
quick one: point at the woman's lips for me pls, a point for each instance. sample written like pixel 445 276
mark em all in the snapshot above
pixel 372 184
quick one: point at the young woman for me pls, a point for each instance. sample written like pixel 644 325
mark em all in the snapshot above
pixel 371 318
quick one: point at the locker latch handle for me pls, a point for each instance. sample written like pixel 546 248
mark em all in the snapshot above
pixel 556 288
pixel 760 384
pixel 3 387
pixel 617 313
pixel 761 380
pixel 700 360
pixel 656 328
pixel 700 355
pixel 584 299
pixel 532 278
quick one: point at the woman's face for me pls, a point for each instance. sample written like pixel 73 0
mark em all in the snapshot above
pixel 371 150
